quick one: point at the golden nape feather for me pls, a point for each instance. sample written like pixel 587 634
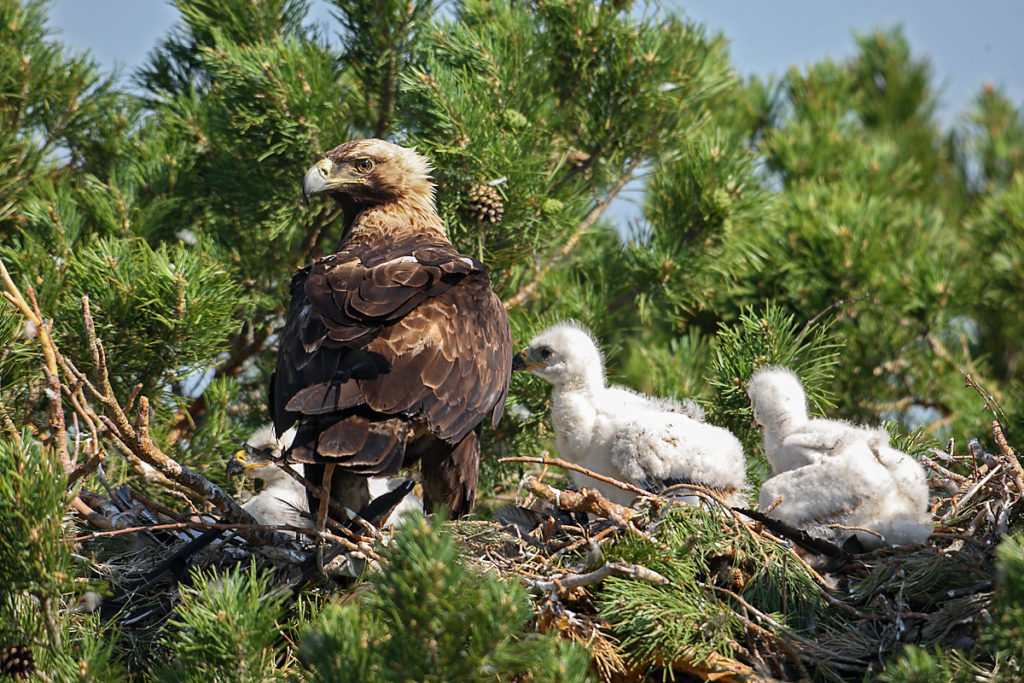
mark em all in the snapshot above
pixel 395 348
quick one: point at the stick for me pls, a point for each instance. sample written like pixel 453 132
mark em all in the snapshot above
pixel 583 470
pixel 138 442
pixel 587 500
pixel 192 525
pixel 1009 458
pixel 632 571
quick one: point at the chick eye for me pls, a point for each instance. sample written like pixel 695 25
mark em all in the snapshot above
pixel 364 165
pixel 545 354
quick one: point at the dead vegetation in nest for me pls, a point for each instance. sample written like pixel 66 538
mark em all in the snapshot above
pixel 721 594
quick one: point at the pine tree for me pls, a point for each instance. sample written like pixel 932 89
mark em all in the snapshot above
pixel 823 220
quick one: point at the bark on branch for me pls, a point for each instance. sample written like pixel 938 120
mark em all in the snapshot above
pixel 132 436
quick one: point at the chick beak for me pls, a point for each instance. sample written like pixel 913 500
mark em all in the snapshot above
pixel 236 466
pixel 520 362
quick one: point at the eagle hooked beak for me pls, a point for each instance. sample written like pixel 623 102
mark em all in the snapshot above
pixel 316 179
pixel 326 176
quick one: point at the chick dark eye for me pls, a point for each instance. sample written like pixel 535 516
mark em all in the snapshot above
pixel 364 165
pixel 545 354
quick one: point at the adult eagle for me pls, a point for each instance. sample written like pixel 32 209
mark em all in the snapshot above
pixel 395 348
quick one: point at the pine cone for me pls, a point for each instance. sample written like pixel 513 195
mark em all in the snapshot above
pixel 17 661
pixel 484 204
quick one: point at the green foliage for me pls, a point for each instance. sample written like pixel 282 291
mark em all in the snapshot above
pixel 1004 635
pixel 52 104
pixel 35 562
pixel 379 39
pixel 428 618
pixel 821 219
pixel 702 211
pixel 89 654
pixel 701 554
pixel 510 91
pixel 225 628
pixel 153 307
pixel 993 140
pixel 997 229
pixel 917 665
pixel 769 338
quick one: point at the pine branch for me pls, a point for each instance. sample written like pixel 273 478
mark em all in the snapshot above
pixel 527 290
pixel 388 84
pixel 8 423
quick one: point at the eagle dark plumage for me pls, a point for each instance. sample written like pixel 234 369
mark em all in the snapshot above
pixel 395 348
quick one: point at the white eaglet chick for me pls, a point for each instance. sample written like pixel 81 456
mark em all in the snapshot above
pixel 283 499
pixel 833 472
pixel 646 441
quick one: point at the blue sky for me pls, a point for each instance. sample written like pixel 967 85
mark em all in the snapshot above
pixel 967 43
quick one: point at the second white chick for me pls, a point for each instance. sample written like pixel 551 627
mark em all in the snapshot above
pixel 282 500
pixel 646 441
pixel 831 473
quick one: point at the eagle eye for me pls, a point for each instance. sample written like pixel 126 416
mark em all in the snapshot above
pixel 545 353
pixel 364 165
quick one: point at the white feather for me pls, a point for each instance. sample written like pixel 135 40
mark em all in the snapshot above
pixel 832 472
pixel 622 434
pixel 283 499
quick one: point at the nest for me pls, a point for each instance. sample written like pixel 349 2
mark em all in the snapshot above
pixel 713 592
pixel 761 601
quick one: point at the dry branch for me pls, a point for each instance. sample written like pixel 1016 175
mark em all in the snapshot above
pixel 133 436
pixel 34 316
pixel 715 667
pixel 586 500
pixel 631 571
pixel 566 465
pixel 171 526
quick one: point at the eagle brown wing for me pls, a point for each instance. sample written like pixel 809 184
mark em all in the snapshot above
pixel 376 338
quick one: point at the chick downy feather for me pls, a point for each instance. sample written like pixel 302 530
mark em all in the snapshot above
pixel 647 441
pixel 283 500
pixel 831 472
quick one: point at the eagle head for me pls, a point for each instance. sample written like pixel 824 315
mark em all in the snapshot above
pixel 371 172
